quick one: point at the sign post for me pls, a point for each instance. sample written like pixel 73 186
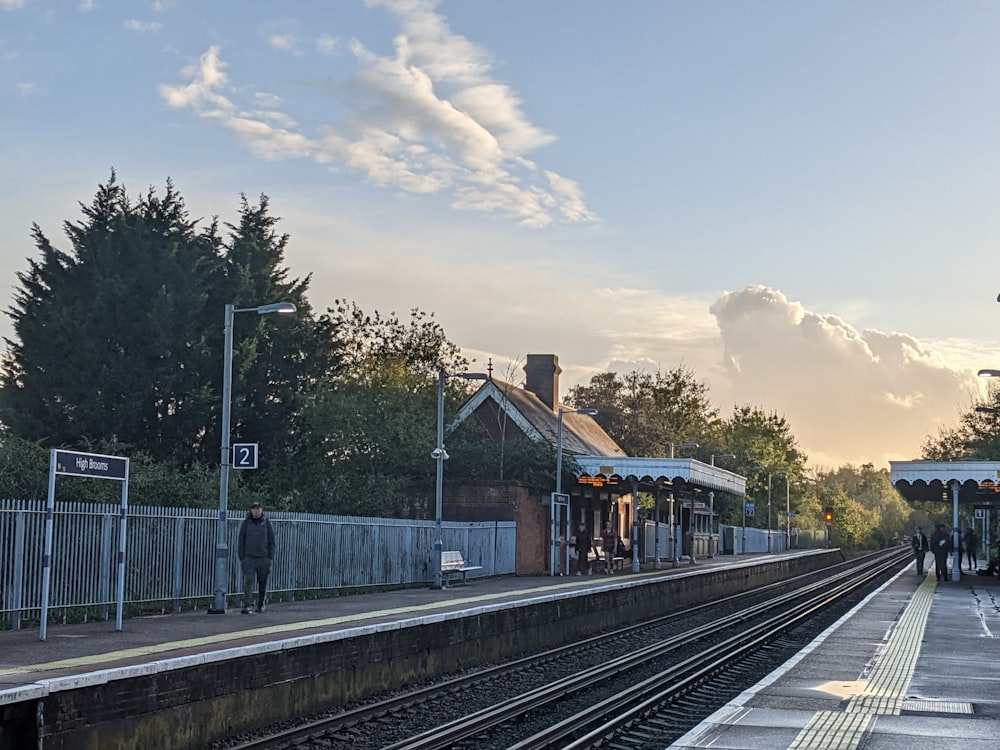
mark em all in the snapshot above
pixel 558 511
pixel 84 465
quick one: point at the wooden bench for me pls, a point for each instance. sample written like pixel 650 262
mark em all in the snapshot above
pixel 453 563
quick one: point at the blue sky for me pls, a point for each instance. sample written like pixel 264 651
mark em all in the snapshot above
pixel 797 200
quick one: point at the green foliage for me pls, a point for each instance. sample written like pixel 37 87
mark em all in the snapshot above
pixel 482 454
pixel 646 412
pixel 24 473
pixel 373 426
pixel 120 339
pixel 111 336
pixel 977 434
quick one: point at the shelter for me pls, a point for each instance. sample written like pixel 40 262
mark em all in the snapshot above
pixel 972 484
pixel 608 481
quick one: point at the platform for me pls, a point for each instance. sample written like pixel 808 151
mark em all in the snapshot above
pixel 916 664
pixel 71 652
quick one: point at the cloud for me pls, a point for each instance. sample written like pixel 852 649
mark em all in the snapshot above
pixel 26 88
pixel 141 26
pixel 847 394
pixel 329 45
pixel 208 77
pixel 427 119
pixel 11 4
pixel 284 43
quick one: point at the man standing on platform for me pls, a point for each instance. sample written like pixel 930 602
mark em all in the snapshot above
pixel 920 546
pixel 941 546
pixel 256 551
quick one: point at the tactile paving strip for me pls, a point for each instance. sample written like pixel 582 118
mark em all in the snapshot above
pixel 884 693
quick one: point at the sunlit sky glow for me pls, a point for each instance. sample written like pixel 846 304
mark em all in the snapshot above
pixel 798 201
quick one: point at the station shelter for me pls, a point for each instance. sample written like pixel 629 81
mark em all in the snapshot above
pixel 683 492
pixel 972 488
pixel 607 482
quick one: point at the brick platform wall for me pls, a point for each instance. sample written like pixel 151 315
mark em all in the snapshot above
pixel 190 708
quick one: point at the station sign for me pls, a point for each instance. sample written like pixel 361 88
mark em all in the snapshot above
pixel 90 465
pixel 245 455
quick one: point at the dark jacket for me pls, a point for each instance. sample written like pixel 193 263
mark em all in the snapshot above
pixel 582 542
pixel 941 542
pixel 919 542
pixel 971 541
pixel 256 537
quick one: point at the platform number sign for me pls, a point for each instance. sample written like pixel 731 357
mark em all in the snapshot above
pixel 749 510
pixel 980 512
pixel 245 455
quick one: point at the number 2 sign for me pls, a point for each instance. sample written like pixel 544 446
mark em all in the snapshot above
pixel 245 455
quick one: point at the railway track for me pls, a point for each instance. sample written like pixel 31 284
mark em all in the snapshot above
pixel 639 687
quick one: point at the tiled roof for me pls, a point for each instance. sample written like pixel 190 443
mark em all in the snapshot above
pixel 582 435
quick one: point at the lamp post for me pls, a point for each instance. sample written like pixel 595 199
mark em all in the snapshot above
pixel 221 547
pixel 788 512
pixel 559 454
pixel 768 512
pixel 681 445
pixel 711 506
pixel 440 455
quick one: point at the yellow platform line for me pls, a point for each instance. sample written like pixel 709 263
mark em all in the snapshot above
pixel 159 648
pixel 883 691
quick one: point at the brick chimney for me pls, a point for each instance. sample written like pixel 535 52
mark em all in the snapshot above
pixel 542 377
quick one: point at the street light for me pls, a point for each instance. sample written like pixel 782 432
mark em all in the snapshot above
pixel 768 512
pixel 440 455
pixel 221 547
pixel 788 512
pixel 711 506
pixel 681 445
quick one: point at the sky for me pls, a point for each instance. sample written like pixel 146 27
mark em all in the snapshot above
pixel 795 200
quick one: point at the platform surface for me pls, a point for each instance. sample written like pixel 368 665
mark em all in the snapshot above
pixel 917 664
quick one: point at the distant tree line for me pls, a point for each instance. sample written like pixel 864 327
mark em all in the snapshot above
pixel 117 349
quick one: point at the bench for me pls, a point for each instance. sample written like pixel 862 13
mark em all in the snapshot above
pixel 596 559
pixel 453 563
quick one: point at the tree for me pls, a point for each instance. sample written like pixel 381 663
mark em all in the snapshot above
pixel 763 445
pixel 374 424
pixel 647 412
pixel 279 362
pixel 977 434
pixel 121 338
pixel 111 337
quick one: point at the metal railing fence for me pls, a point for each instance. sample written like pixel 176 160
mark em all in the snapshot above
pixel 169 556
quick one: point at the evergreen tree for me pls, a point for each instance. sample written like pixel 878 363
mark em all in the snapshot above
pixel 120 339
pixel 111 337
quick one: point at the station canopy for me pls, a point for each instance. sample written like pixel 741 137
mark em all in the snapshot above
pixel 978 482
pixel 678 473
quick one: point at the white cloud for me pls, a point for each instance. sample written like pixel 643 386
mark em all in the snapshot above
pixel 329 45
pixel 142 27
pixel 849 395
pixel 202 93
pixel 284 43
pixel 26 88
pixel 427 119
pixel 11 4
